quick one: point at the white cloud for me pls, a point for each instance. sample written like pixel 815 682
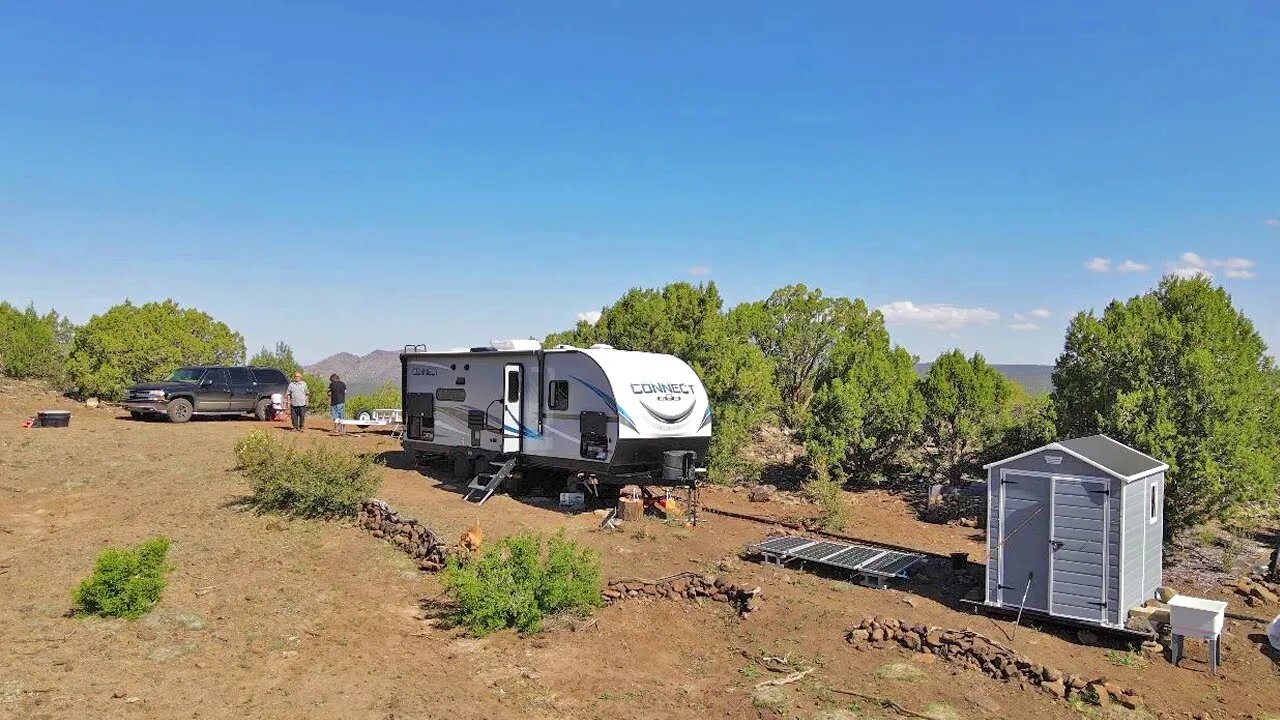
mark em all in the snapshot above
pixel 1038 313
pixel 590 317
pixel 1190 265
pixel 935 315
pixel 1023 326
pixel 698 270
pixel 1132 266
pixel 1102 265
pixel 1098 264
pixel 1273 222
pixel 1238 268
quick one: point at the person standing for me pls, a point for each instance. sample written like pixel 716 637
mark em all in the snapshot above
pixel 337 399
pixel 296 394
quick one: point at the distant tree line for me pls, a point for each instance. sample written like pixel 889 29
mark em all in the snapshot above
pixel 1177 372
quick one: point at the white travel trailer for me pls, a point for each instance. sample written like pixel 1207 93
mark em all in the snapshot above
pixel 615 415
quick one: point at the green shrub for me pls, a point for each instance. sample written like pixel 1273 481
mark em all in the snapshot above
pixel 316 481
pixel 129 343
pixel 386 395
pixel 513 585
pixel 317 393
pixel 125 583
pixel 34 345
pixel 825 491
pixel 281 359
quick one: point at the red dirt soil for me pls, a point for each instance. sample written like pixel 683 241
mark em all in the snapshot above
pixel 269 618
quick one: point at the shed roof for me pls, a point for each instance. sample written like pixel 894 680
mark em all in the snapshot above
pixel 1111 456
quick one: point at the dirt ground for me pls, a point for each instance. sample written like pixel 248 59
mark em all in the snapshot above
pixel 265 618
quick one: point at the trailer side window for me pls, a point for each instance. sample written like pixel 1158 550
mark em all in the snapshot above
pixel 451 394
pixel 513 386
pixel 559 395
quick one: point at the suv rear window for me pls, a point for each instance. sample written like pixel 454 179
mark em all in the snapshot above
pixel 269 376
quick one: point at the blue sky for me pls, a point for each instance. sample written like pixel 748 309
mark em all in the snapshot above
pixel 353 176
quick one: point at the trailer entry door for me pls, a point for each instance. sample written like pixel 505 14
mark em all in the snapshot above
pixel 513 408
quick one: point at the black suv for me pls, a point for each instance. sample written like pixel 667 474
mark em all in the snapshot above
pixel 207 390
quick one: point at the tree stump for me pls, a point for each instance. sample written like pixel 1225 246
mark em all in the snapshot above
pixel 629 509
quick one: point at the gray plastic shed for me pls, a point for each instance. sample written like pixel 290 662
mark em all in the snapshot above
pixel 1075 528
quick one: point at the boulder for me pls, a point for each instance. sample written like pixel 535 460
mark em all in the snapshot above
pixel 762 493
pixel 1264 595
pixel 1165 593
pixel 1056 688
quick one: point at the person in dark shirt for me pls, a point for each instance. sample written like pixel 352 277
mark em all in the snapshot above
pixel 337 398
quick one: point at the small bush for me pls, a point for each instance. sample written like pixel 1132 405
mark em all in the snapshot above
pixel 125 583
pixel 513 585
pixel 824 491
pixel 316 481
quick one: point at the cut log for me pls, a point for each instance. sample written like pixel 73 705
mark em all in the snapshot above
pixel 629 509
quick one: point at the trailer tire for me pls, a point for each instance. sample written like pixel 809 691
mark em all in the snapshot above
pixel 365 416
pixel 179 410
pixel 262 408
pixel 464 468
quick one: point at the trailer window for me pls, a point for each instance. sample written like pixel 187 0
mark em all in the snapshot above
pixel 451 394
pixel 513 386
pixel 559 395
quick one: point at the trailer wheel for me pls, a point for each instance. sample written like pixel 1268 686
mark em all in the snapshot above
pixel 464 468
pixel 365 416
pixel 262 408
pixel 179 410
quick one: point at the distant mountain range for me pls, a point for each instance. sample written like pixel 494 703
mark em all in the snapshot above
pixel 367 372
pixel 361 373
pixel 1033 378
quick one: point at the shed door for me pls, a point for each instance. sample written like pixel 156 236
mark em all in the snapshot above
pixel 1024 538
pixel 1079 548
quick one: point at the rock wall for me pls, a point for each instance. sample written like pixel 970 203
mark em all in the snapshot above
pixel 416 539
pixel 981 653
pixel 688 586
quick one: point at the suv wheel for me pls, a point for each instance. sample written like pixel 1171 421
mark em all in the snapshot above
pixel 260 410
pixel 179 410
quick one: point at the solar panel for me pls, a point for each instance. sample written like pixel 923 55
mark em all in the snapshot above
pixel 784 544
pixel 851 558
pixel 892 563
pixel 872 561
pixel 820 550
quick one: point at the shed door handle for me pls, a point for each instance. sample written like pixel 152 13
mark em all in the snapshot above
pixel 1057 544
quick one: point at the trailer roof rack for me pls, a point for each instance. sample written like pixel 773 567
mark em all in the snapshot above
pixel 874 566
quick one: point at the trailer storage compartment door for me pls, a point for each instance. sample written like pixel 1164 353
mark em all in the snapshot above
pixel 420 416
pixel 594 427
